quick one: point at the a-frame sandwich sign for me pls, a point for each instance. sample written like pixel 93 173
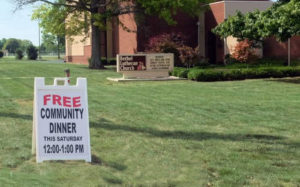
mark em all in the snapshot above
pixel 61 121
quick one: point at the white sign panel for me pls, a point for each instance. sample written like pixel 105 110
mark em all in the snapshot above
pixel 61 121
pixel 163 62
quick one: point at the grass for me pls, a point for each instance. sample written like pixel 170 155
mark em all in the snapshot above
pixel 183 133
pixel 44 58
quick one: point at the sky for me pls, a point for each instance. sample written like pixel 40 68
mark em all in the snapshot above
pixel 17 24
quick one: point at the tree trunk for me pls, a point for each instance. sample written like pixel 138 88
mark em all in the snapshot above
pixel 95 62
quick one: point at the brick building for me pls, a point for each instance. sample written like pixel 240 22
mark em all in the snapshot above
pixel 116 40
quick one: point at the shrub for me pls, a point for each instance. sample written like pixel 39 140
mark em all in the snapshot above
pixel 180 72
pixel 205 75
pixel 244 52
pixel 19 54
pixel 292 72
pixel 236 74
pixel 230 60
pixel 250 73
pixel 106 62
pixel 32 52
pixel 189 56
pixel 202 62
pixel 157 43
pixel 1 54
pixel 167 43
pixel 171 48
pixel 175 71
pixel 174 43
pixel 113 62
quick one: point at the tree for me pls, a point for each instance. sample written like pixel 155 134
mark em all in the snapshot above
pixel 52 43
pixel 11 45
pixel 243 51
pixel 241 26
pixel 32 52
pixel 286 19
pixel 281 21
pixel 2 42
pixel 25 44
pixel 19 54
pixel 52 21
pixel 93 14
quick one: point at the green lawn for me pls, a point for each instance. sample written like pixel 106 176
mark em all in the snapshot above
pixel 182 133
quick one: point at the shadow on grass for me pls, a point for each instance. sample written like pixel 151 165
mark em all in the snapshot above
pixel 288 80
pixel 112 180
pixel 15 115
pixel 185 135
pixel 96 160
pixel 106 68
pixel 117 166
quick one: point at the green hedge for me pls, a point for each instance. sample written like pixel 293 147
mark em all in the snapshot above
pixel 235 74
pixel 180 72
pixel 109 61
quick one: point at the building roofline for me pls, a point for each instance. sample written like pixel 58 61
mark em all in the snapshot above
pixel 238 1
pixel 215 3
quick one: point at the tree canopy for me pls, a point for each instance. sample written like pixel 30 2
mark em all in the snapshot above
pixel 51 18
pixel 12 44
pixel 2 42
pixel 240 26
pixel 86 14
pixel 52 21
pixel 52 44
pixel 282 21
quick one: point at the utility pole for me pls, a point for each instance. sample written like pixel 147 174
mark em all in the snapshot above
pixel 39 41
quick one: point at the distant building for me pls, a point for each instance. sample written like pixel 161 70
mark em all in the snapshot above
pixel 197 31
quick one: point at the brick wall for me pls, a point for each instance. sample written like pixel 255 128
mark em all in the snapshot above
pixel 274 49
pixel 127 41
pixel 81 59
pixel 153 26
